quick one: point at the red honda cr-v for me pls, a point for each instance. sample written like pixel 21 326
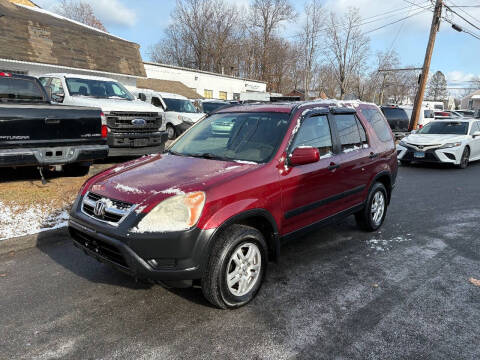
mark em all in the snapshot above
pixel 216 206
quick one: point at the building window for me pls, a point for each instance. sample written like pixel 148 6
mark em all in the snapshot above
pixel 222 95
pixel 208 94
pixel 236 96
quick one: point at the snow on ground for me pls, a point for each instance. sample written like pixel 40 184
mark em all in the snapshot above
pixel 18 220
pixel 387 244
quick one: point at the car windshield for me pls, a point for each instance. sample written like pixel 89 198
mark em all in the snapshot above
pixel 180 105
pixel 234 136
pixel 209 107
pixel 98 89
pixel 445 127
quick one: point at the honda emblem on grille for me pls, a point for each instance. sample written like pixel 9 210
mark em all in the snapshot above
pixel 99 209
pixel 139 122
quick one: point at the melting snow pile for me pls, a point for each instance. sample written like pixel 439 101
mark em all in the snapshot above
pixel 18 220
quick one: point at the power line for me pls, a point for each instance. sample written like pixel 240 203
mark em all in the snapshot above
pixel 463 11
pixel 461 17
pixel 395 22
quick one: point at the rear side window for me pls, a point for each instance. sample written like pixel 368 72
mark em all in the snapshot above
pixel 315 132
pixel 395 114
pixel 19 89
pixel 378 123
pixel 351 132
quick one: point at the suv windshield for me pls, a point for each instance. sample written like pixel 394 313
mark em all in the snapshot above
pixel 445 127
pixel 180 105
pixel 98 89
pixel 15 89
pixel 234 136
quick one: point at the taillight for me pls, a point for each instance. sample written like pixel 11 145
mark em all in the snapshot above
pixel 5 74
pixel 104 131
pixel 420 126
pixel 104 118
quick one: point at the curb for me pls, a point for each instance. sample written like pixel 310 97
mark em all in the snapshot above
pixel 34 240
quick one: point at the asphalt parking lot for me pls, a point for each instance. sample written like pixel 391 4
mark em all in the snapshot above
pixel 400 293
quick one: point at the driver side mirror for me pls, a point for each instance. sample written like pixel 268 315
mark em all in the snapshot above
pixel 304 155
pixel 142 96
pixel 58 97
pixel 476 134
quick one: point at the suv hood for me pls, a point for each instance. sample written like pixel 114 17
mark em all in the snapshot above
pixel 432 139
pixel 108 105
pixel 154 178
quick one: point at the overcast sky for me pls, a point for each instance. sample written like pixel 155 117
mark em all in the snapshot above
pixel 456 54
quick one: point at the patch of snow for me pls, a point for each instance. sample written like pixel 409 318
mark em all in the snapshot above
pixel 17 220
pixel 139 209
pixel 326 156
pixel 172 191
pixel 128 189
pixel 386 244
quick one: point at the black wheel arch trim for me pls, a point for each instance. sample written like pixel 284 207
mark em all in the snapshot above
pixel 392 183
pixel 273 243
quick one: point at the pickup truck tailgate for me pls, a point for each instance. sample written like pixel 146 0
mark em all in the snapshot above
pixel 37 124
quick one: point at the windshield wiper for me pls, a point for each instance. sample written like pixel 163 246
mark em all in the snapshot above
pixel 209 156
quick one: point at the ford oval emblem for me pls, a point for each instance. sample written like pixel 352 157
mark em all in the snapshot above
pixel 139 122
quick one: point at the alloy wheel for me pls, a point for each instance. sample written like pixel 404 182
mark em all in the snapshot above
pixel 378 207
pixel 243 269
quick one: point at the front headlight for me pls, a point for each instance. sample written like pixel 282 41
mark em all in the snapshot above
pixel 403 143
pixel 177 213
pixel 450 145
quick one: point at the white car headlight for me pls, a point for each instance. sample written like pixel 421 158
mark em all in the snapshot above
pixel 177 213
pixel 403 143
pixel 450 145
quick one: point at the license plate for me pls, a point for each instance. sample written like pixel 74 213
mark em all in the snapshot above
pixel 419 154
pixel 140 142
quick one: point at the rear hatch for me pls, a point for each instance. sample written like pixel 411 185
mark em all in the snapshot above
pixel 397 118
pixel 49 125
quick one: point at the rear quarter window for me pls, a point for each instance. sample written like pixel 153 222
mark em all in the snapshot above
pixel 378 123
pixel 395 114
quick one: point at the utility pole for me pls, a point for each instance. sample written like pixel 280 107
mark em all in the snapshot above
pixel 417 107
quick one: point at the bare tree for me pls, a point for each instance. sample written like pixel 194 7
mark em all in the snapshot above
pixel 202 36
pixel 310 39
pixel 266 18
pixel 80 11
pixel 347 48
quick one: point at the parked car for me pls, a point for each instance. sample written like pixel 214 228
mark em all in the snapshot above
pixel 426 115
pixel 466 113
pixel 180 113
pixel 34 132
pixel 398 120
pixel 209 106
pixel 133 126
pixel 454 141
pixel 214 209
pixel 447 115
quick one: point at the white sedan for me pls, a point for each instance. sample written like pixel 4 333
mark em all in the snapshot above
pixel 454 141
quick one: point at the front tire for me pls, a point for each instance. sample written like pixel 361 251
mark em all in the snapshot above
pixel 465 158
pixel 236 267
pixel 373 215
pixel 172 133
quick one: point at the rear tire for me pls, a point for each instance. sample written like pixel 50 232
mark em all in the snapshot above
pixel 372 216
pixel 76 169
pixel 465 158
pixel 239 254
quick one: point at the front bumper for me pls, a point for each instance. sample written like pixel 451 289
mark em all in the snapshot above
pixel 136 144
pixel 437 155
pixel 52 155
pixel 173 256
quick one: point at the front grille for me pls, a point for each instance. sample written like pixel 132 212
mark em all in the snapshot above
pixel 123 120
pixel 111 211
pixel 102 248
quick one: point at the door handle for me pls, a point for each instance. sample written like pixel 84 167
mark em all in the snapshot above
pixel 333 166
pixel 373 155
pixel 49 121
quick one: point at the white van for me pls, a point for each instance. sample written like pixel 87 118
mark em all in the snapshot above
pixel 426 115
pixel 180 113
pixel 434 105
pixel 134 127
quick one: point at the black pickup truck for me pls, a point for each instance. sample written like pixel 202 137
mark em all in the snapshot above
pixel 34 132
